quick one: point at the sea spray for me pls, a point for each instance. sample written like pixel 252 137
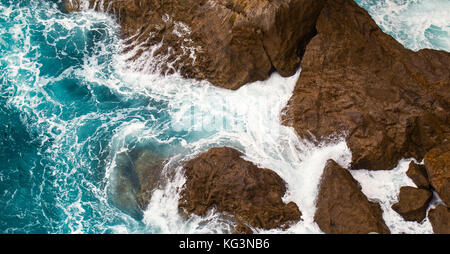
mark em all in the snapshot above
pixel 383 187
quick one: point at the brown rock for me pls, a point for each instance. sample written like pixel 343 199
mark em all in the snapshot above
pixel 413 203
pixel 221 179
pixel 418 174
pixel 391 102
pixel 242 229
pixel 437 164
pixel 235 41
pixel 72 5
pixel 440 219
pixel 341 206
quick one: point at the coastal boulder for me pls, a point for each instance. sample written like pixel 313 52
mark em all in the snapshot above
pixel 440 219
pixel 227 42
pixel 389 102
pixel 222 180
pixel 341 206
pixel 419 175
pixel 437 164
pixel 133 180
pixel 413 203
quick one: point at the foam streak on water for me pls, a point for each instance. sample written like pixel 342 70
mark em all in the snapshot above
pixel 70 105
pixel 383 187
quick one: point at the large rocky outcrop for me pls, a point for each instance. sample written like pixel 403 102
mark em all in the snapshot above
pixel 413 203
pixel 221 179
pixel 437 164
pixel 391 102
pixel 440 219
pixel 234 41
pixel 341 206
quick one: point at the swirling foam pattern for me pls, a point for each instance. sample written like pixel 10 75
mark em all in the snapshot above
pixel 69 104
pixel 415 23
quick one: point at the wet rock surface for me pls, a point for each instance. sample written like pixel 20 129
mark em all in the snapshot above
pixel 222 180
pixel 437 164
pixel 234 41
pixel 72 5
pixel 440 219
pixel 341 206
pixel 242 229
pixel 413 203
pixel 419 175
pixel 149 168
pixel 391 102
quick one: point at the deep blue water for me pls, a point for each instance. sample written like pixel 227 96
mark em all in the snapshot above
pixel 56 127
pixel 64 114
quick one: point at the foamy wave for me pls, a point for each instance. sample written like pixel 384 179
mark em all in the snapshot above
pixel 416 24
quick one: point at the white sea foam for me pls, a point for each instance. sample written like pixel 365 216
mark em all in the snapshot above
pixel 249 120
pixel 383 187
pixel 416 24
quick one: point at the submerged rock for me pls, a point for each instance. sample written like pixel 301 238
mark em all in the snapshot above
pixel 437 164
pixel 440 219
pixel 234 41
pixel 148 167
pixel 413 203
pixel 391 102
pixel 419 175
pixel 341 206
pixel 132 181
pixel 222 180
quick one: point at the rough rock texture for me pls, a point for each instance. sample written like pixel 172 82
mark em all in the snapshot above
pixel 440 219
pixel 413 203
pixel 234 41
pixel 221 179
pixel 437 164
pixel 341 206
pixel 242 229
pixel 391 102
pixel 419 175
